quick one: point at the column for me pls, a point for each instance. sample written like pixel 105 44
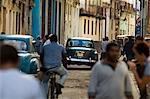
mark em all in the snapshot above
pixel 46 17
pixel 43 19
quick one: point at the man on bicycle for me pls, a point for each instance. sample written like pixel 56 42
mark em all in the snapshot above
pixel 51 57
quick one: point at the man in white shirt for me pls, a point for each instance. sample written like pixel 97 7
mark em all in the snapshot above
pixel 13 83
pixel 110 77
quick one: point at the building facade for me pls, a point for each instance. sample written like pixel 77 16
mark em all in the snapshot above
pixel 127 18
pixel 92 20
pixel 52 12
pixel 72 20
pixel 16 16
pixel 36 19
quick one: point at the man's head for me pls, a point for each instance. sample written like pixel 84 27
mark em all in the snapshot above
pixel 139 39
pixel 53 38
pixel 46 37
pixel 3 33
pixel 8 57
pixel 112 52
pixel 147 42
pixel 107 39
pixel 141 52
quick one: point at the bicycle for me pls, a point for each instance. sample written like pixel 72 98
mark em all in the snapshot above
pixel 52 86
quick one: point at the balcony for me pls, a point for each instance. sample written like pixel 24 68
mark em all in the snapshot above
pixel 94 11
pixel 126 7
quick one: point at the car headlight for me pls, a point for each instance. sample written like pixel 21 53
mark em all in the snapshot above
pixel 95 52
pixel 34 64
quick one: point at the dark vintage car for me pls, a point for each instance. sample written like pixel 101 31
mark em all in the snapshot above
pixel 81 51
pixel 29 62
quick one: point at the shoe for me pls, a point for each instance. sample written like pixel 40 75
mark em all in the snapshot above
pixel 58 90
pixel 59 85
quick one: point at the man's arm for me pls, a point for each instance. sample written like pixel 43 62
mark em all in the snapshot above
pixel 93 83
pixel 141 81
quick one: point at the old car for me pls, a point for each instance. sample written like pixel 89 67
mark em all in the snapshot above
pixel 81 51
pixel 24 44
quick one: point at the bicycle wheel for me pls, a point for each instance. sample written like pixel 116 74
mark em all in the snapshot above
pixel 49 90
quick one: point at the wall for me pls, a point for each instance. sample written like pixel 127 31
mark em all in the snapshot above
pixel 36 19
pixel 96 36
pixel 71 19
pixel 16 18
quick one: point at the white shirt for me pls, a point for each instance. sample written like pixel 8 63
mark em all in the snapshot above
pixel 104 45
pixel 107 83
pixel 47 42
pixel 17 85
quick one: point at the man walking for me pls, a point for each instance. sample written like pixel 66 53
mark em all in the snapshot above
pixel 103 47
pixel 52 56
pixel 13 83
pixel 110 77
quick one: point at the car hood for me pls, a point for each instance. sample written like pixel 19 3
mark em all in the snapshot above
pixel 80 48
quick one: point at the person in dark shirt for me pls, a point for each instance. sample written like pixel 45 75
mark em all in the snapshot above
pixel 128 49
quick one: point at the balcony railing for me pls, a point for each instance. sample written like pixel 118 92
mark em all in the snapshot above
pixel 94 11
pixel 126 7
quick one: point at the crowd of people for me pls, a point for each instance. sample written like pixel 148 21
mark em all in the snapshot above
pixel 110 77
pixel 17 85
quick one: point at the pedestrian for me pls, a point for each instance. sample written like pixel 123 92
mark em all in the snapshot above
pixel 110 77
pixel 51 57
pixel 139 39
pixel 47 41
pixel 128 49
pixel 38 44
pixel 13 83
pixel 142 74
pixel 103 47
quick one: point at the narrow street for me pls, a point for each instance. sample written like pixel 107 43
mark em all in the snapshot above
pixel 77 83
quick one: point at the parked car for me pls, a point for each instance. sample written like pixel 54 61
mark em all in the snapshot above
pixel 81 51
pixel 29 62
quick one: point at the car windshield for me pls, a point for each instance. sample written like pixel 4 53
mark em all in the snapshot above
pixel 80 43
pixel 21 46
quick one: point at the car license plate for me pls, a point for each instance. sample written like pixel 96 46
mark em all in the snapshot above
pixel 80 54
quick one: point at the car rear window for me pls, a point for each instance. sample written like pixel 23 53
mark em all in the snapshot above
pixel 80 43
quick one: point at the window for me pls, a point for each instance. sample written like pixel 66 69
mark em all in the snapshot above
pixel 13 23
pixel 99 27
pixel 88 26
pixel 17 22
pixel 80 43
pixel 18 44
pixel 10 21
pixel 84 26
pixel 112 24
pixel 92 28
pixel 96 27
